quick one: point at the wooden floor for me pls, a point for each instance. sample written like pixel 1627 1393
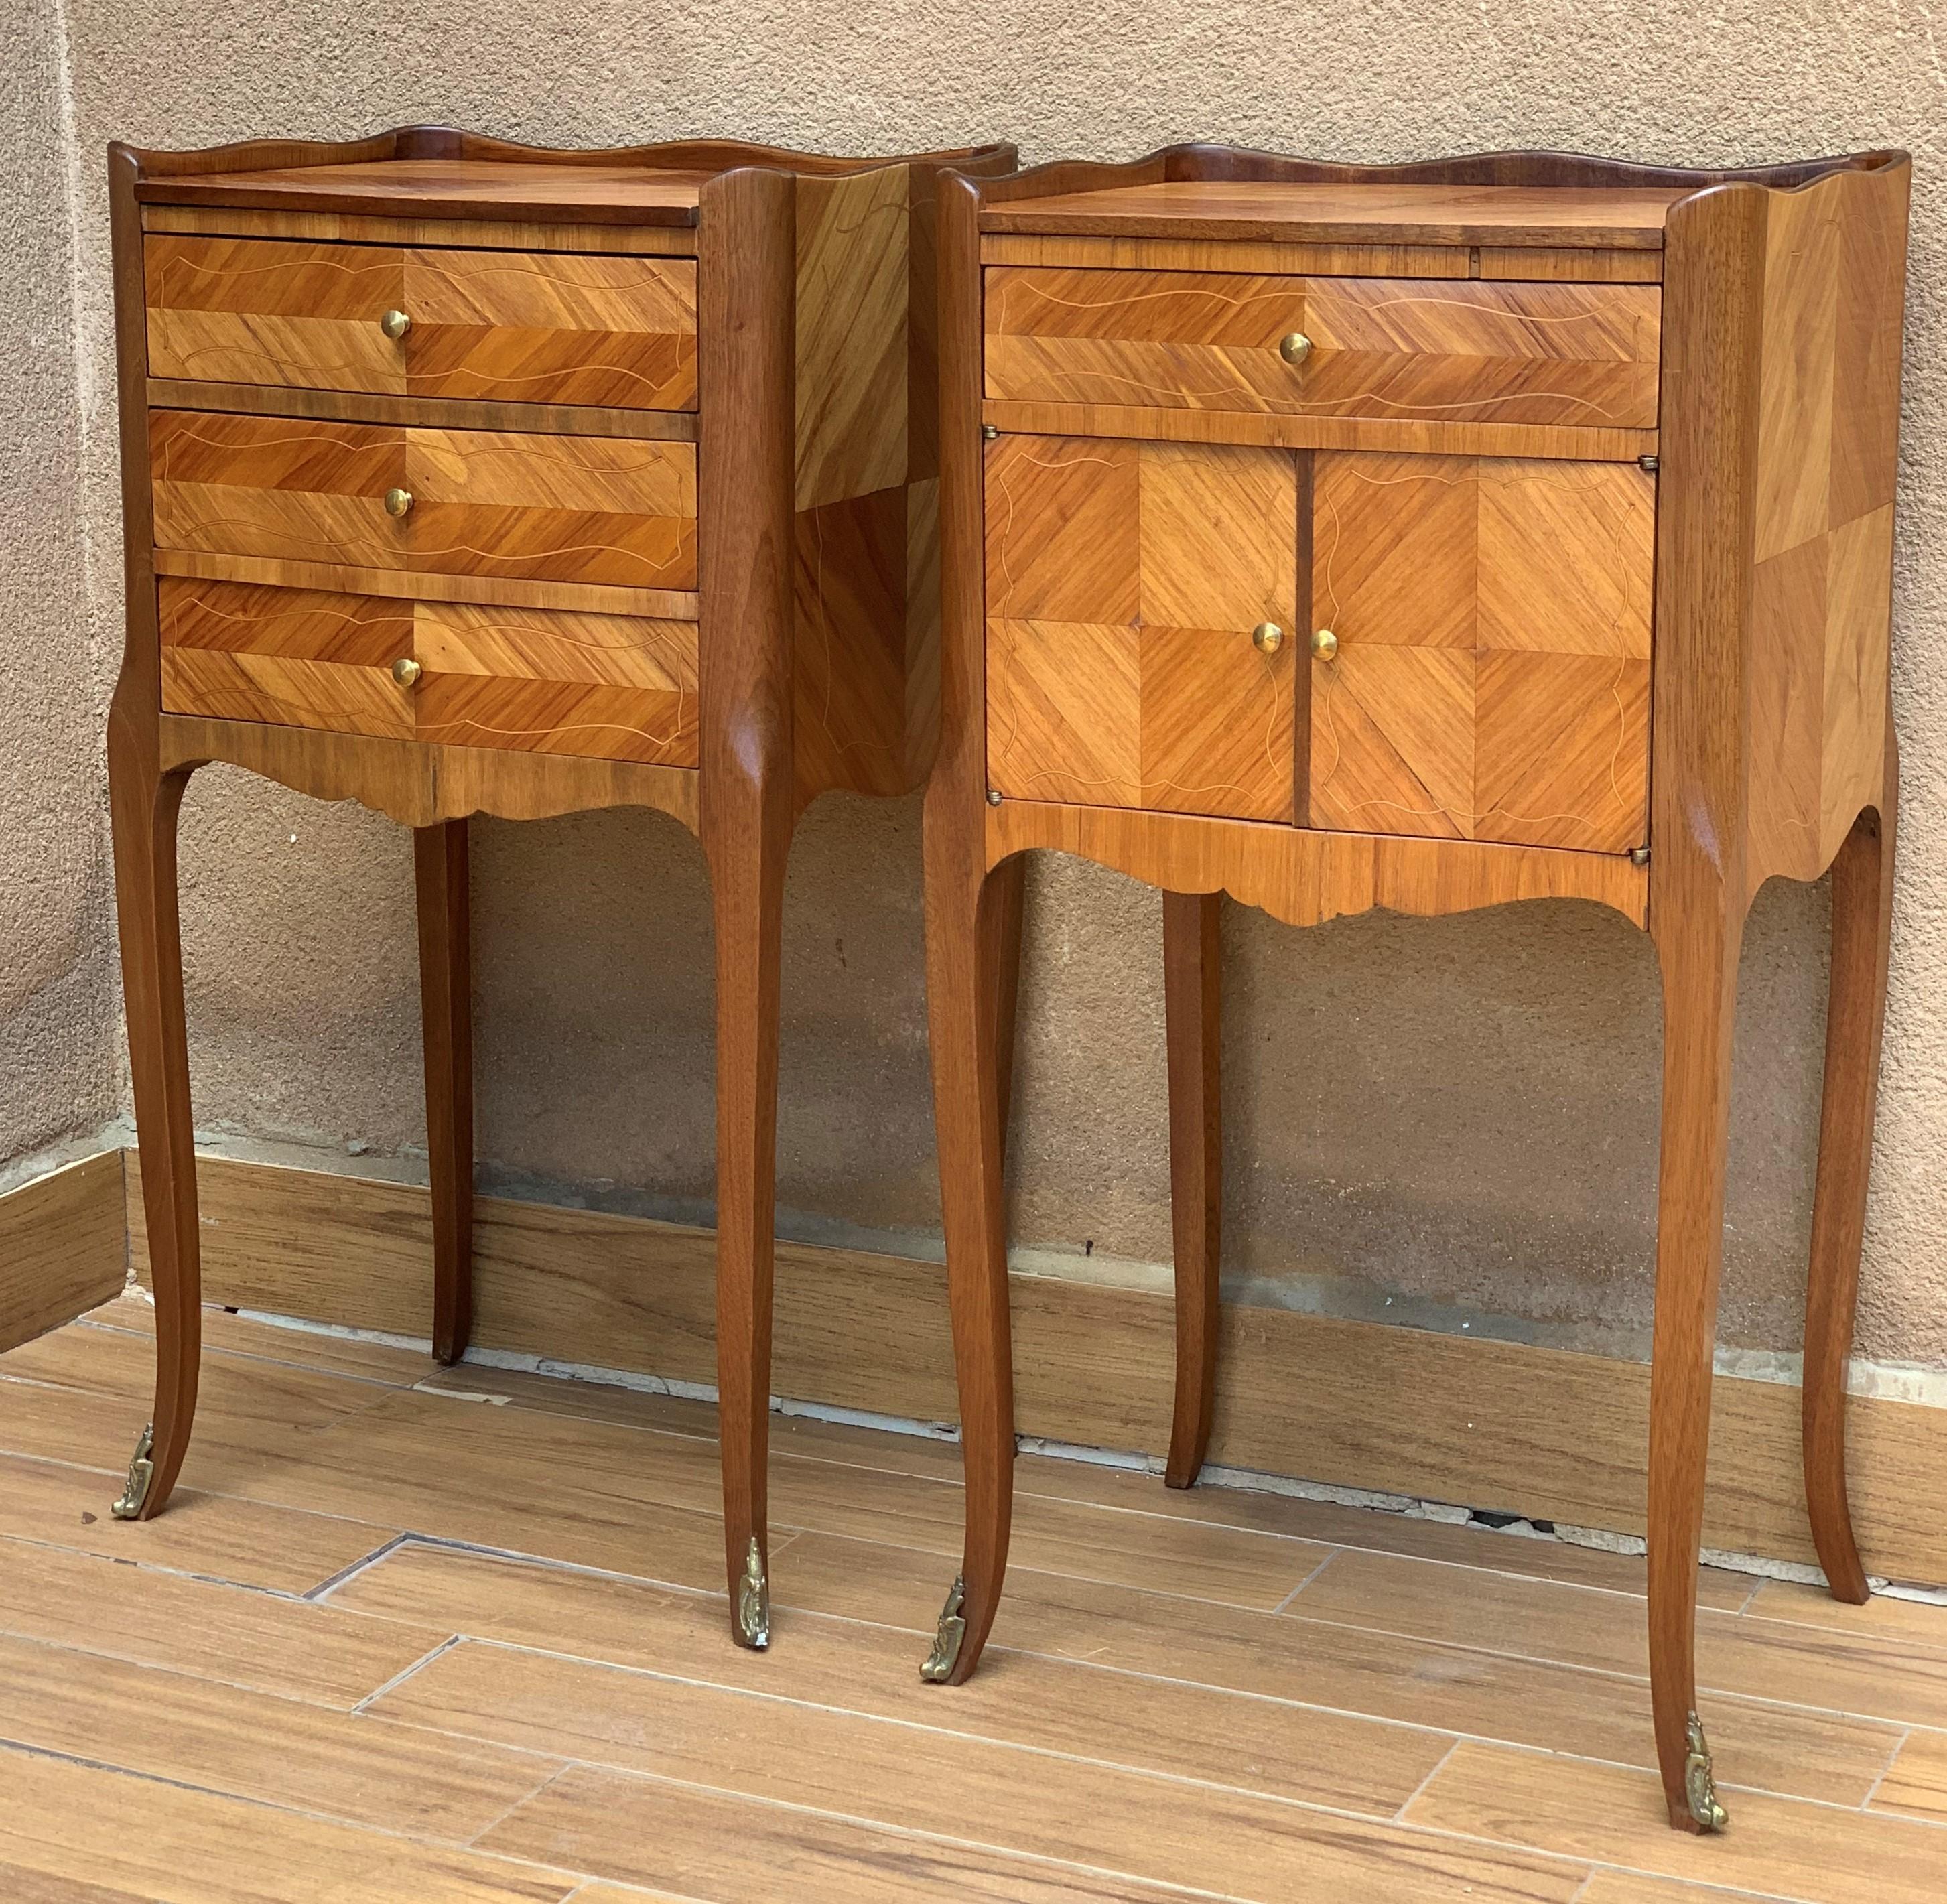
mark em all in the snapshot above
pixel 455 1638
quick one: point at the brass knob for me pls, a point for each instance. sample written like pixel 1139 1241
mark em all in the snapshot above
pixel 396 324
pixel 398 501
pixel 406 670
pixel 1325 645
pixel 1295 348
pixel 1267 638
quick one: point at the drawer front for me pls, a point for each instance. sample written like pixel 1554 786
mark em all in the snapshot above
pixel 614 687
pixel 563 509
pixel 1382 349
pixel 544 681
pixel 1492 672
pixel 514 326
pixel 1123 583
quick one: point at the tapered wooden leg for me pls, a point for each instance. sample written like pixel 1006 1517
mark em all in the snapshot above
pixel 143 802
pixel 1193 1009
pixel 1855 1014
pixel 1698 949
pixel 747 879
pixel 966 929
pixel 439 874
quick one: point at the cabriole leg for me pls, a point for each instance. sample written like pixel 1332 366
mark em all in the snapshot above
pixel 440 876
pixel 144 803
pixel 1855 1014
pixel 746 881
pixel 1698 951
pixel 1192 1002
pixel 966 928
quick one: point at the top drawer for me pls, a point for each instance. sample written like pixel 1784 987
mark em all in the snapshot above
pixel 520 327
pixel 1439 350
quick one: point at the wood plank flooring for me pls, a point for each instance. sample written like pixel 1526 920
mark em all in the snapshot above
pixel 410 1636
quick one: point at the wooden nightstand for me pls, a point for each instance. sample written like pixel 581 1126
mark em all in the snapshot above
pixel 462 476
pixel 1426 537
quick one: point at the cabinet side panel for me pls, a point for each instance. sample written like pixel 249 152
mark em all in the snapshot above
pixel 1828 450
pixel 852 299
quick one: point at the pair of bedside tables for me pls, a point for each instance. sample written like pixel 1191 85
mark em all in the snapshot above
pixel 1427 537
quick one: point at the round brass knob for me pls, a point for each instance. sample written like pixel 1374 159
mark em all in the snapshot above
pixel 406 670
pixel 1267 638
pixel 396 324
pixel 398 501
pixel 1295 348
pixel 1325 644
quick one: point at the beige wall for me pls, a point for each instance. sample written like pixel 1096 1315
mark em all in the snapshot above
pixel 59 1063
pixel 1450 1121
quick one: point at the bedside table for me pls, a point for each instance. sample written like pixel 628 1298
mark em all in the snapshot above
pixel 463 477
pixel 1426 538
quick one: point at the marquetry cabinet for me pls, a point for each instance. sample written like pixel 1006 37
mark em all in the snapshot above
pixel 463 477
pixel 1425 537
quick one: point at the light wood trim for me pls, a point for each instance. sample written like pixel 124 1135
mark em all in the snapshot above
pixel 235 221
pixel 63 1246
pixel 594 598
pixel 432 413
pixel 1305 878
pixel 418 784
pixel 1498 1426
pixel 1368 211
pixel 1533 262
pixel 1578 442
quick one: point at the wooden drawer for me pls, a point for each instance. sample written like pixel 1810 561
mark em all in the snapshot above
pixel 1124 582
pixel 518 327
pixel 547 681
pixel 1383 349
pixel 1492 675
pixel 564 509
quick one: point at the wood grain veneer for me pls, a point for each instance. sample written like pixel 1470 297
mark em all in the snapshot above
pixel 484 325
pixel 620 512
pixel 1387 347
pixel 1123 583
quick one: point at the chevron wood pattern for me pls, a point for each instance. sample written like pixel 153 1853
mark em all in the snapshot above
pixel 1828 426
pixel 1388 348
pixel 610 687
pixel 1492 676
pixel 594 509
pixel 1124 581
pixel 552 328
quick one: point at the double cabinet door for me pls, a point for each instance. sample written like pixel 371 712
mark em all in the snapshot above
pixel 1451 647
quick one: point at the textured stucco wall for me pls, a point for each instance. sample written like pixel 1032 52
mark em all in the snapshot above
pixel 59 1066
pixel 1444 1120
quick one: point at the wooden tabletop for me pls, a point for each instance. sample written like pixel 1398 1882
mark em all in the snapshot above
pixel 1630 216
pixel 451 188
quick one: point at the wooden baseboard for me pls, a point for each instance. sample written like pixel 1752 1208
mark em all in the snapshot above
pixel 63 1246
pixel 1536 1431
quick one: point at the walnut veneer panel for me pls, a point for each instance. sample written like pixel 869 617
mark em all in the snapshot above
pixel 1827 455
pixel 1124 581
pixel 611 687
pixel 485 502
pixel 1390 349
pixel 1630 216
pixel 546 328
pixel 1492 676
pixel 1532 261
pixel 232 221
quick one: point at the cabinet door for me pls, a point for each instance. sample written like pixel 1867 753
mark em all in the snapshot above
pixel 1491 677
pixel 1126 583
